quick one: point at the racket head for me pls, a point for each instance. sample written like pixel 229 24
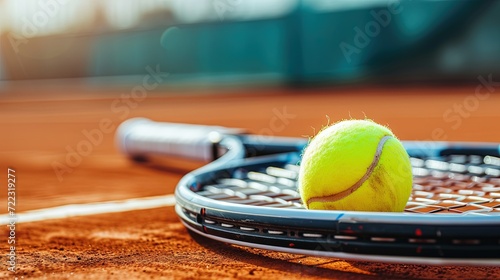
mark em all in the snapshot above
pixel 237 201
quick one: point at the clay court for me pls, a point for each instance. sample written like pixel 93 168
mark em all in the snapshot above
pixel 152 243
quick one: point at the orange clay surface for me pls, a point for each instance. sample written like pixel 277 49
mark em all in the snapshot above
pixel 40 122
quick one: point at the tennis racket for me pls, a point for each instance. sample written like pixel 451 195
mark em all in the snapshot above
pixel 247 195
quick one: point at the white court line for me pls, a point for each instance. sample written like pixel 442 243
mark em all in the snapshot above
pixel 76 210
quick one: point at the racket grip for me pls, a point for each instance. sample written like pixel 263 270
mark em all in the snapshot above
pixel 140 137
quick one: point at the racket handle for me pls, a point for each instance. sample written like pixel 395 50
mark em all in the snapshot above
pixel 140 137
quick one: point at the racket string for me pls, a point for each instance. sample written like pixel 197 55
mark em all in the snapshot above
pixel 456 184
pixel 275 187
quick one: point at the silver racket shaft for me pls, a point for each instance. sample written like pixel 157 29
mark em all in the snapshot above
pixel 140 137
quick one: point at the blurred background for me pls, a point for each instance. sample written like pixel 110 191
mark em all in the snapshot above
pixel 293 42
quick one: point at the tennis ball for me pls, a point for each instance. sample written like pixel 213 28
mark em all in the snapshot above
pixel 355 165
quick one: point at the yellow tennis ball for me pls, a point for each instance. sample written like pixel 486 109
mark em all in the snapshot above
pixel 355 165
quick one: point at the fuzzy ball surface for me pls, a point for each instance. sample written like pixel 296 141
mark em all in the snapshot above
pixel 355 165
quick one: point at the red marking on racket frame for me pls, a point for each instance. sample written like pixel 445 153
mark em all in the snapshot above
pixel 348 230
